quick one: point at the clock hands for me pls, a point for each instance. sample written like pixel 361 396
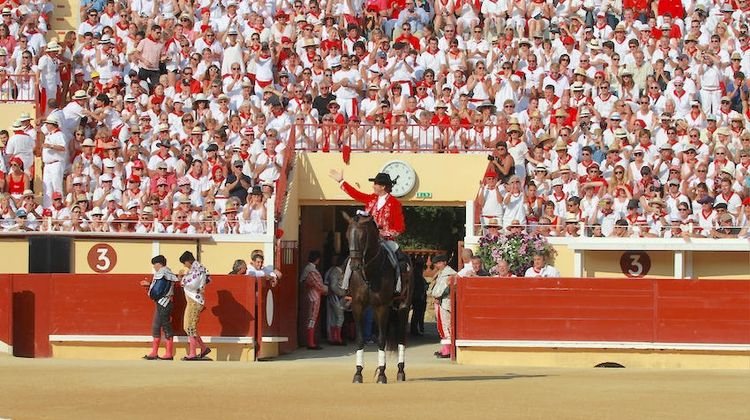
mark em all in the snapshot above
pixel 395 179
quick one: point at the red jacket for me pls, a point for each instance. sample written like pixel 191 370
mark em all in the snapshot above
pixel 389 218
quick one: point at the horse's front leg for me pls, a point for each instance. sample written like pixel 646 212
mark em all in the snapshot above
pixel 357 313
pixel 381 317
pixel 403 314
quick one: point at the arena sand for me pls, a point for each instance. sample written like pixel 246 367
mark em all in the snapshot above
pixel 316 385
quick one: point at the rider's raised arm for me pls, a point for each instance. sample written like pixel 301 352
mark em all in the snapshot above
pixel 355 193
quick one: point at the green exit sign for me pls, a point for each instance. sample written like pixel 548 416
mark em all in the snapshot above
pixel 424 194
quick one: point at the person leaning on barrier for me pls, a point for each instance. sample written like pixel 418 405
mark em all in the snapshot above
pixel 540 268
pixel 474 268
pixel 239 267
pixel 503 269
pixel 257 269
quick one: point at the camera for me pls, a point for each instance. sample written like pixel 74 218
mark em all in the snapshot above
pixel 490 158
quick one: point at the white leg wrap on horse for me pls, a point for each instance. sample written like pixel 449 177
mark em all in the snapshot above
pixel 360 357
pixel 401 353
pixel 381 358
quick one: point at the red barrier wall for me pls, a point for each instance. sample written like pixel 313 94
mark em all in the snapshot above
pixel 6 310
pixel 66 304
pixel 31 315
pixel 641 310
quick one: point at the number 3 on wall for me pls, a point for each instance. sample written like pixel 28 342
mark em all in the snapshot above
pixel 102 258
pixel 635 263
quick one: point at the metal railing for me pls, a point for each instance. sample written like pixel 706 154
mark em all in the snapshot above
pixel 19 88
pixel 397 137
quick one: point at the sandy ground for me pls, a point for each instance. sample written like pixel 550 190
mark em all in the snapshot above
pixel 316 385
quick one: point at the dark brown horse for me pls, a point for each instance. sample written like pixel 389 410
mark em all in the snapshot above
pixel 372 284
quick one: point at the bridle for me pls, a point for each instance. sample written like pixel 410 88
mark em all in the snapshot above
pixel 358 257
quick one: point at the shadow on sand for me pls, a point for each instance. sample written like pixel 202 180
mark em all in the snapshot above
pixel 476 378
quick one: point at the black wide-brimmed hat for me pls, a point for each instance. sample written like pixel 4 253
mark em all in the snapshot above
pixel 383 179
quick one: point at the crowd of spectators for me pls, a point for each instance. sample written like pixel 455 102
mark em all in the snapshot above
pixel 166 115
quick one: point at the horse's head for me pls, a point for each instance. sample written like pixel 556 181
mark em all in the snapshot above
pixel 362 235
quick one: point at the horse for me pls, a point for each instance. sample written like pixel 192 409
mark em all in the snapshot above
pixel 372 283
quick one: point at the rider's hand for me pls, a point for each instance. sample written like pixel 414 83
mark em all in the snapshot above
pixel 337 175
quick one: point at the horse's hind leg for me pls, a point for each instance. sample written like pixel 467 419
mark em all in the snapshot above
pixel 381 316
pixel 357 310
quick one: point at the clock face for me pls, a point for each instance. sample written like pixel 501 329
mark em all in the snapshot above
pixel 403 175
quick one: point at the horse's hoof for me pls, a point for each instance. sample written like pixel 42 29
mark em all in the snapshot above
pixel 401 377
pixel 357 379
pixel 382 379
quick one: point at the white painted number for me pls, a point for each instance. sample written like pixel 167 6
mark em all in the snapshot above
pixel 104 261
pixel 636 268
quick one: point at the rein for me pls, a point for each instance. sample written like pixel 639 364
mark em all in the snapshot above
pixel 363 268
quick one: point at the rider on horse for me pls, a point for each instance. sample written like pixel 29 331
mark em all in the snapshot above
pixel 385 210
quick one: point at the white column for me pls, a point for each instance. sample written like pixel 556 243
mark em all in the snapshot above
pixel 470 218
pixel 679 265
pixel 578 263
pixel 688 263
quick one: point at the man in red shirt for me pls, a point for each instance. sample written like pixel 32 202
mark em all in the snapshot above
pixel 385 209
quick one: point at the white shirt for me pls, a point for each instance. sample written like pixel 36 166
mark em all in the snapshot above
pixel 52 156
pixel 546 271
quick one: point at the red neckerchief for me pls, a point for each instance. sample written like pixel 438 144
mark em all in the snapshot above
pixel 558 198
pixel 680 95
pixel 706 216
pixel 152 39
pixel 725 197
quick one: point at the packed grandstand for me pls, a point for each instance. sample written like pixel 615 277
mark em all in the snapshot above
pixel 598 117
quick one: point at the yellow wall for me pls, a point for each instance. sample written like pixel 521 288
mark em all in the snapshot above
pixel 607 264
pixel 721 265
pixel 133 256
pixel 66 17
pixel 9 112
pixel 564 260
pixel 15 255
pixel 451 178
pixel 219 257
